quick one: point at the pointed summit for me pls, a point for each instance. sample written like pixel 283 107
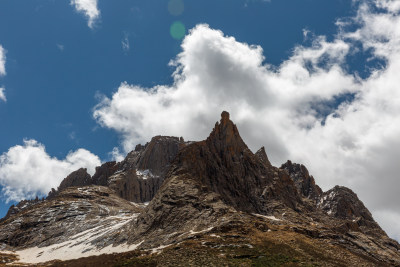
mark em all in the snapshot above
pixel 262 155
pixel 225 117
pixel 223 164
pixel 304 182
pixel 225 137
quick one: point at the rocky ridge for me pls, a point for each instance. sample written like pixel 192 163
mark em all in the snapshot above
pixel 215 196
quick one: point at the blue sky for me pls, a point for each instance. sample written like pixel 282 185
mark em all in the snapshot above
pixel 62 64
pixel 51 91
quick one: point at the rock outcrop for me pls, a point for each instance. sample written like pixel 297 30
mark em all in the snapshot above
pixel 305 183
pixel 79 177
pixel 141 173
pixel 138 177
pixel 225 165
pixel 21 206
pixel 104 172
pixel 341 202
pixel 262 155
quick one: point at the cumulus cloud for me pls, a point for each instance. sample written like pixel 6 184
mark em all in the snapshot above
pixel 27 170
pixel 117 155
pixel 309 109
pixel 216 72
pixel 2 94
pixel 89 9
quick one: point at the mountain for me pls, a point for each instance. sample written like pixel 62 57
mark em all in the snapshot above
pixel 207 203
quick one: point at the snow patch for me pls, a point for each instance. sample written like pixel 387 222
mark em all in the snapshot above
pixel 144 174
pixel 273 218
pixel 82 244
pixel 191 232
pixel 144 204
pixel 67 251
pixel 214 235
pixel 159 249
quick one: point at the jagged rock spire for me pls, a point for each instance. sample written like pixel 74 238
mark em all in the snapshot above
pixel 304 182
pixel 225 137
pixel 262 155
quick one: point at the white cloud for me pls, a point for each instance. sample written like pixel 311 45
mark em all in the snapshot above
pixel 60 47
pixel 117 155
pixel 125 44
pixel 2 94
pixel 2 61
pixel 215 72
pixel 2 71
pixel 27 170
pixel 290 108
pixel 89 8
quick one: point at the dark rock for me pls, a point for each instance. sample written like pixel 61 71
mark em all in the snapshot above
pixel 158 154
pixel 305 183
pixel 210 181
pixel 129 186
pixel 263 157
pixel 21 206
pixel 104 172
pixel 142 172
pixel 77 178
pixel 224 165
pixel 341 202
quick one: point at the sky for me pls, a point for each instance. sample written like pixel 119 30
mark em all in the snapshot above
pixel 83 81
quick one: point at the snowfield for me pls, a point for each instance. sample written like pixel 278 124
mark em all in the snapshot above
pixel 84 244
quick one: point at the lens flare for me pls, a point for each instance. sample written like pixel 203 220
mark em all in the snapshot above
pixel 177 30
pixel 175 7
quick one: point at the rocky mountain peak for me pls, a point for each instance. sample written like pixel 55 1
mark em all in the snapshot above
pixel 158 153
pixel 104 172
pixel 225 117
pixel 304 182
pixel 213 195
pixel 343 203
pixel 262 155
pixel 225 137
pixel 79 177
pixel 223 164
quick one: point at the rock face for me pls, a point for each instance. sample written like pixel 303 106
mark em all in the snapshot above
pixel 214 196
pixel 103 173
pixel 141 174
pixel 21 206
pixel 134 185
pixel 262 156
pixel 77 178
pixel 341 202
pixel 158 154
pixel 223 164
pixel 305 183
pixel 138 177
